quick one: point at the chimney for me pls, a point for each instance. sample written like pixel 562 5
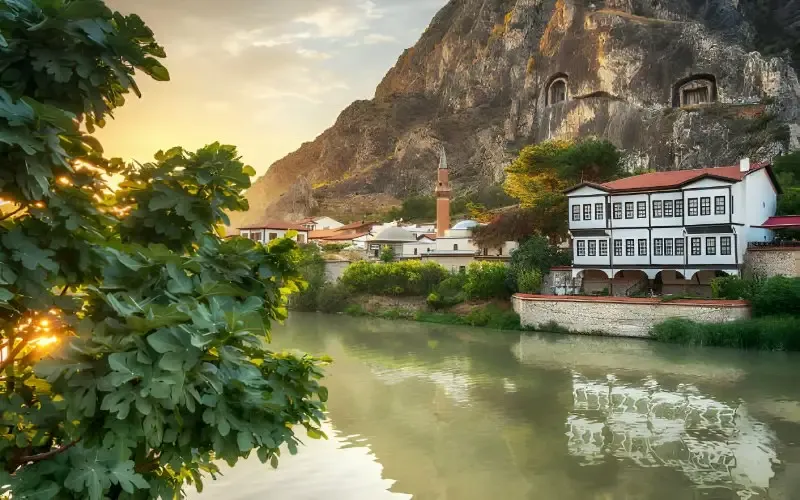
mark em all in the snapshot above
pixel 744 165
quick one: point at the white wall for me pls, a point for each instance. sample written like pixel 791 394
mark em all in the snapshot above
pixel 589 260
pixel 628 198
pixel 672 233
pixel 421 247
pixel 326 223
pixel 704 258
pixel 675 198
pixel 635 235
pixel 711 193
pixel 591 201
pixel 762 201
pixel 266 235
pixel 447 244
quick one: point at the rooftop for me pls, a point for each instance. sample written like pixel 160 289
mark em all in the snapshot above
pixel 276 224
pixel 782 222
pixel 674 178
pixel 395 234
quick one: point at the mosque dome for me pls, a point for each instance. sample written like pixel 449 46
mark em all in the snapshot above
pixel 466 224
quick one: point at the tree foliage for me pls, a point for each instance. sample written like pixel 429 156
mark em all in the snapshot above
pixel 134 336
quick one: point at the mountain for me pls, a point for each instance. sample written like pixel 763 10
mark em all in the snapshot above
pixel 490 76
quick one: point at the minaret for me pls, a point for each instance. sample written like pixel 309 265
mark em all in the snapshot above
pixel 442 196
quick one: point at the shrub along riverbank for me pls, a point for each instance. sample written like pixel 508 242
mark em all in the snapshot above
pixel 775 324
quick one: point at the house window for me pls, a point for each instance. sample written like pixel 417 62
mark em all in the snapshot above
pixel 592 248
pixel 657 209
pixel 679 246
pixel 668 246
pixel 731 204
pixel 617 210
pixel 301 238
pixel 629 210
pixel 415 251
pixel 696 247
pixel 711 245
pixel 705 205
pixel 725 245
pixel 462 269
pixel 642 247
pixel 581 248
pixel 603 248
pixel 485 251
pixel 617 248
pixel 629 248
pixel 641 210
pixel 719 205
pixel 678 204
pixel 576 212
pixel 587 212
pixel 598 211
pixel 455 247
pixel 557 92
pixel 658 246
pixel 273 236
pixel 692 207
pixel 667 208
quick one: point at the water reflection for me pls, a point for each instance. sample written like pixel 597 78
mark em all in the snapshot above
pixel 453 413
pixel 712 443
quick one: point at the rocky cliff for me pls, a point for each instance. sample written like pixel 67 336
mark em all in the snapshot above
pixel 490 76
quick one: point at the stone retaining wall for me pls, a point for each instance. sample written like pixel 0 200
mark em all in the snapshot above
pixel 620 316
pixel 772 261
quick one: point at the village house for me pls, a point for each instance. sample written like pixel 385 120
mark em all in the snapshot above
pixel 669 232
pixel 267 231
pixel 320 223
pixel 355 234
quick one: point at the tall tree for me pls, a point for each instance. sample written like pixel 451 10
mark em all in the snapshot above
pixel 134 337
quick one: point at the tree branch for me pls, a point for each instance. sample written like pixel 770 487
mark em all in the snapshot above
pixel 13 213
pixel 44 456
pixel 13 354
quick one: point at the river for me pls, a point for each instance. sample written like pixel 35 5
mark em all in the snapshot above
pixel 434 412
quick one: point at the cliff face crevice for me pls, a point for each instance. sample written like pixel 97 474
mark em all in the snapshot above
pixel 487 77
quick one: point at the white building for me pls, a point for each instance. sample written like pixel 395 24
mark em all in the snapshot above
pixel 320 223
pixel 265 232
pixel 679 228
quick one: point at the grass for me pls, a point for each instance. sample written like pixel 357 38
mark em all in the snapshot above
pixel 773 333
pixel 489 316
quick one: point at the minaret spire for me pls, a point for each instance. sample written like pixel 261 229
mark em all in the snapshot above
pixel 442 195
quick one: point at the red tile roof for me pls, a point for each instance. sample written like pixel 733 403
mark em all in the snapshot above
pixel 345 236
pixel 430 236
pixel 673 178
pixel 276 224
pixel 782 222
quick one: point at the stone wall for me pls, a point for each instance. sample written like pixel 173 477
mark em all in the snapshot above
pixel 772 261
pixel 334 269
pixel 620 316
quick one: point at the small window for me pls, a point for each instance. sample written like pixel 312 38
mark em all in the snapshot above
pixel 725 245
pixel 376 253
pixel 642 247
pixel 696 249
pixel 668 247
pixel 462 269
pixel 658 210
pixel 667 208
pixel 711 245
pixel 617 210
pixel 629 248
pixel 731 204
pixel 576 212
pixel 679 247
pixel 455 248
pixel 598 211
pixel 485 251
pixel 415 251
pixel 603 248
pixel 705 205
pixel 618 248
pixel 581 248
pixel 692 207
pixel 641 209
pixel 719 205
pixel 658 247
pixel 592 248
pixel 587 212
pixel 678 204
pixel 273 236
pixel 500 251
pixel 629 210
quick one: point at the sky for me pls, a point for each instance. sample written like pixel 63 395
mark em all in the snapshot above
pixel 264 75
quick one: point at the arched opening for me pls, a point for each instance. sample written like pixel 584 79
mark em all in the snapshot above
pixel 701 281
pixel 630 283
pixel 695 90
pixel 556 90
pixel 670 282
pixel 595 282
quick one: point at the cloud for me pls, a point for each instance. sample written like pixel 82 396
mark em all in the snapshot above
pixel 313 54
pixel 375 38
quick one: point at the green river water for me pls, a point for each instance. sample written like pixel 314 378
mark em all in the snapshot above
pixel 435 412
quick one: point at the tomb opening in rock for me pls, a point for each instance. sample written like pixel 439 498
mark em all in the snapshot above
pixel 556 89
pixel 695 90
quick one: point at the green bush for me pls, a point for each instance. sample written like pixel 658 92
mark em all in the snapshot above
pixel 409 278
pixel 449 292
pixel 778 295
pixel 487 280
pixel 734 287
pixel 387 254
pixel 355 310
pixel 529 281
pixel 777 333
pixel 492 316
pixel 332 298
pixel 439 318
pixel 312 269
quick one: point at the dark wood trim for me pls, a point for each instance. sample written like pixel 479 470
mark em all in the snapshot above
pixel 660 266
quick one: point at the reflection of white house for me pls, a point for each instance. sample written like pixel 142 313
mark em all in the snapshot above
pixel 679 227
pixel 265 232
pixel 712 443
